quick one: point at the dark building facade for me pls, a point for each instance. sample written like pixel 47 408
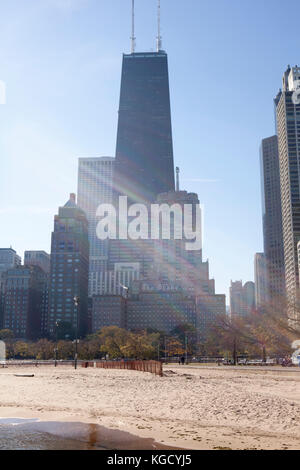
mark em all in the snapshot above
pixel 242 298
pixel 108 310
pixel 161 307
pixel 69 269
pixel 8 259
pixel 37 258
pixel 272 219
pixel 173 262
pixel 144 165
pixel 261 282
pixel 144 152
pixel 42 260
pixel 25 301
pixel 209 307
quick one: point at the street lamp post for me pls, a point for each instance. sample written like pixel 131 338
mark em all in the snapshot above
pixel 234 351
pixel 165 349
pixel 76 303
pixel 55 350
pixel 126 297
pixel 186 348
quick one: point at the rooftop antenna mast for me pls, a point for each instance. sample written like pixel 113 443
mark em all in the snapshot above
pixel 133 38
pixel 177 179
pixel 159 38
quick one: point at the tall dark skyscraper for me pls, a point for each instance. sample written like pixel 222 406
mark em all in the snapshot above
pixel 144 153
pixel 272 219
pixel 69 268
pixel 144 165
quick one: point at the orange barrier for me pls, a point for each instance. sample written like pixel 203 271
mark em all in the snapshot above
pixel 154 367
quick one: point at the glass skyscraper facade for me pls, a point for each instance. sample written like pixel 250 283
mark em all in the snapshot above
pixel 144 152
pixel 95 179
pixel 272 220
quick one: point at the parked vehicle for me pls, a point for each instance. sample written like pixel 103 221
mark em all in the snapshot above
pixel 296 360
pixel 242 362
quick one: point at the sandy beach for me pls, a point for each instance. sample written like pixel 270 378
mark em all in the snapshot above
pixel 194 408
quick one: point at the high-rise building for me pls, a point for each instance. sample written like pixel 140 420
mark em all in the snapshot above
pixel 249 297
pixel 236 298
pixel 144 152
pixel 37 258
pixel 8 259
pixel 261 281
pixel 69 269
pixel 95 179
pixel 25 301
pixel 41 259
pixel 208 308
pixel 272 220
pixel 298 252
pixel 288 125
pixel 242 298
pixel 173 262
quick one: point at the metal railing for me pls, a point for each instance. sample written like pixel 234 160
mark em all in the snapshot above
pixel 36 362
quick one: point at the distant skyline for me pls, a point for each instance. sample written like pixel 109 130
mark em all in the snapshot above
pixel 61 63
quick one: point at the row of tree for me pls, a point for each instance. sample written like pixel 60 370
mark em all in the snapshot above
pixel 257 335
pixel 111 342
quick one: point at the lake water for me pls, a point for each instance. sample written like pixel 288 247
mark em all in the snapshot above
pixel 24 434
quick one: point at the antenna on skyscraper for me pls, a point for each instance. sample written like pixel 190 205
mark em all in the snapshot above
pixel 177 178
pixel 133 38
pixel 159 38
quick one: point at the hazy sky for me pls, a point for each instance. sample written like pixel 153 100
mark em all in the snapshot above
pixel 61 62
